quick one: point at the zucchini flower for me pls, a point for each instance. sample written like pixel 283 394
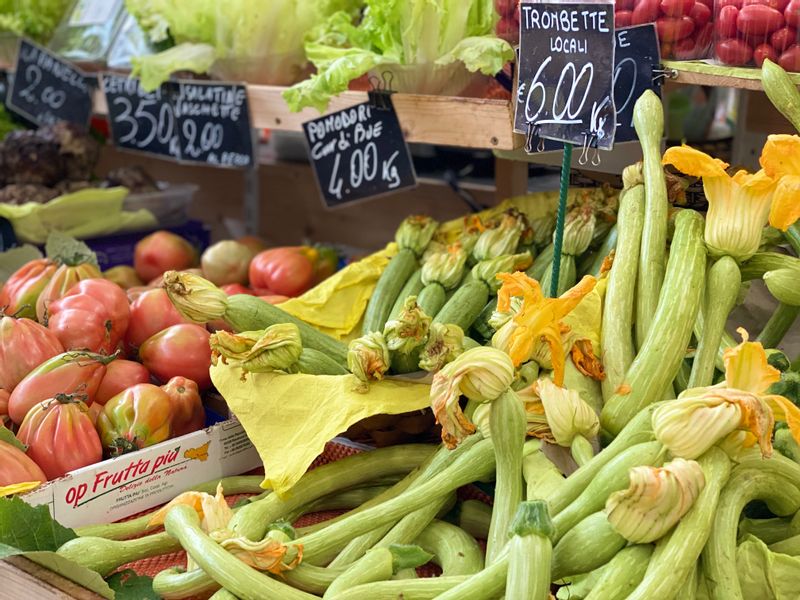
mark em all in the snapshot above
pixel 273 554
pixel 445 343
pixel 702 417
pixel 197 299
pixel 368 357
pixel 473 228
pixel 632 176
pixel 542 229
pixel 276 348
pixel 579 228
pixel 655 500
pixel 445 268
pixel 489 270
pixel 782 284
pixel 409 330
pixel 214 512
pixel 501 239
pixel 539 317
pixel 780 159
pixel 415 233
pixel 501 317
pixel 482 375
pixel 561 416
pixel 738 206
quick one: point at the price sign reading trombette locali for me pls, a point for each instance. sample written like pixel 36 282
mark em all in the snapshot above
pixel 141 121
pixel 637 54
pixel 214 124
pixel 566 72
pixel 45 89
pixel 358 153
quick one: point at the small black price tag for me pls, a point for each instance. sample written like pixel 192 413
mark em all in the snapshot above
pixel 214 124
pixel 142 121
pixel 637 54
pixel 359 152
pixel 566 73
pixel 46 89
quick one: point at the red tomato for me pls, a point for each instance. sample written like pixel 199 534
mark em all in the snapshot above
pixel 764 51
pixel 645 11
pixel 758 20
pixel 124 276
pixel 68 373
pixel 60 436
pixel 160 252
pixel 734 52
pixel 622 18
pixel 672 30
pixel 82 323
pixel 676 8
pixel 120 375
pixel 113 299
pixel 790 59
pixel 151 312
pixel 188 414
pixel 24 345
pixel 726 21
pixel 237 288
pixel 792 13
pixel 5 420
pixel 63 279
pixel 140 416
pixel 708 3
pixel 17 467
pixel 19 294
pixel 701 14
pixel 685 49
pixel 179 351
pixel 94 411
pixel 624 4
pixel 285 271
pixel 703 40
pixel 783 38
pixel 776 4
pixel 722 3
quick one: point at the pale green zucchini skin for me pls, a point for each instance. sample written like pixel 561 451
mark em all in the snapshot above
pixel 722 288
pixel 567 275
pixel 589 545
pixel 652 371
pixel 621 576
pixel 781 91
pixel 648 120
pixel 540 263
pixel 432 298
pixel 400 268
pixel 465 305
pixel 453 548
pixel 763 262
pixel 412 287
pixel 617 344
pixel 105 556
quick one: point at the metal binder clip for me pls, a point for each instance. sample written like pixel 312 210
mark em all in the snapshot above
pixel 584 157
pixel 380 91
pixel 661 72
pixel 531 136
pixel 589 150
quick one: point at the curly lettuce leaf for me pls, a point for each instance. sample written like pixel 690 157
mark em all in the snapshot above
pixel 486 54
pixel 36 19
pixel 155 69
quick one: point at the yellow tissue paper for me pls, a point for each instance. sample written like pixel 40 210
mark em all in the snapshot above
pixel 289 418
pixel 336 305
pixel 86 213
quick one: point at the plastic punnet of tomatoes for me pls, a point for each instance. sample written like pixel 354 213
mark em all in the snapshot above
pixel 685 27
pixel 508 25
pixel 748 31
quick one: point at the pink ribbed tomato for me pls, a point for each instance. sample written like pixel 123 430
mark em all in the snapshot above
pixel 113 299
pixel 151 312
pixel 17 467
pixel 160 252
pixel 120 375
pixel 63 279
pixel 24 345
pixel 19 294
pixel 60 436
pixel 5 420
pixel 179 351
pixel 188 414
pixel 140 416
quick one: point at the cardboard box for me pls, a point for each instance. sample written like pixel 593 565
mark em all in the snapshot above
pixel 118 488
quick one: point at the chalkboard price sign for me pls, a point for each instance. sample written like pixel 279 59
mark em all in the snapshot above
pixel 214 124
pixel 566 68
pixel 358 153
pixel 637 54
pixel 45 89
pixel 142 121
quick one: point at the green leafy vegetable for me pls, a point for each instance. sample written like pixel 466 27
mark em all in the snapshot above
pixel 33 18
pixel 7 436
pixel 413 39
pixel 67 250
pixel 14 258
pixel 127 585
pixel 156 68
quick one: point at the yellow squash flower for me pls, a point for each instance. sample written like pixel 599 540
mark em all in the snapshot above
pixel 702 417
pixel 368 358
pixel 278 347
pixel 738 205
pixel 196 298
pixel 780 158
pixel 538 317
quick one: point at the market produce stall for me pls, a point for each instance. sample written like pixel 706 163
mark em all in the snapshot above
pixel 495 381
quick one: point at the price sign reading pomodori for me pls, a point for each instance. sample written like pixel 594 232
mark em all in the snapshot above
pixel 214 124
pixel 637 54
pixel 566 72
pixel 141 121
pixel 358 153
pixel 45 89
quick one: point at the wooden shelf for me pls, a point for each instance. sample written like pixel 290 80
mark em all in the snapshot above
pixel 700 73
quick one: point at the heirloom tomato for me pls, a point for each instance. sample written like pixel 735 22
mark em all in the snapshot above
pixel 179 351
pixel 188 414
pixel 160 252
pixel 284 271
pixel 150 313
pixel 120 375
pixel 24 345
pixel 19 294
pixel 63 279
pixel 140 416
pixel 124 276
pixel 226 262
pixel 17 467
pixel 5 420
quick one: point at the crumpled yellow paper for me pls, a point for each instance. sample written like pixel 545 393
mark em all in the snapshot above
pixel 289 418
pixel 83 214
pixel 336 305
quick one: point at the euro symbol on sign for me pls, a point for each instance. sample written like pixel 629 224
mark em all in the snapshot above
pixel 521 92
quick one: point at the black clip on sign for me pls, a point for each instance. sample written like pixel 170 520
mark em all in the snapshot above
pixel 637 60
pixel 566 87
pixel 360 152
pixel 45 89
pixel 142 121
